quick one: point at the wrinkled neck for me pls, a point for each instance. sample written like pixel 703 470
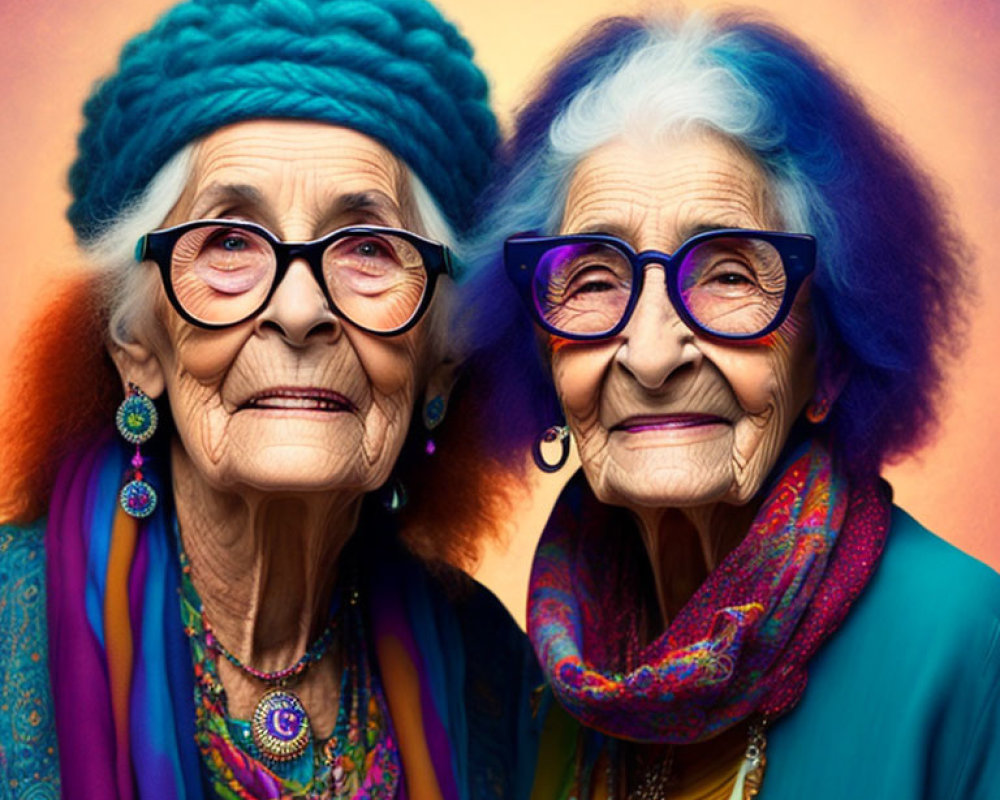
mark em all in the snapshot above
pixel 264 564
pixel 685 544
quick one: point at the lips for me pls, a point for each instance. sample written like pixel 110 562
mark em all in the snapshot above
pixel 666 422
pixel 287 398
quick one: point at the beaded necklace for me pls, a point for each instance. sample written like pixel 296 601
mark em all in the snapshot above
pixel 360 760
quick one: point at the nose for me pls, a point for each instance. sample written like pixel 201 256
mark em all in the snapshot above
pixel 657 343
pixel 298 309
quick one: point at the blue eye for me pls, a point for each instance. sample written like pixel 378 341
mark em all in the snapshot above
pixel 233 242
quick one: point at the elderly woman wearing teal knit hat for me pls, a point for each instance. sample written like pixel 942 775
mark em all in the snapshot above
pixel 213 602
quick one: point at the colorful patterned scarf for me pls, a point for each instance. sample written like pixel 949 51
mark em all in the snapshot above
pixel 121 668
pixel 742 642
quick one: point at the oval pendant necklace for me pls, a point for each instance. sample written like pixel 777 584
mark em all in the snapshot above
pixel 280 725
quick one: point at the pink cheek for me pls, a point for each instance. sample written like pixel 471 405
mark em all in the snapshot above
pixel 579 378
pixel 752 374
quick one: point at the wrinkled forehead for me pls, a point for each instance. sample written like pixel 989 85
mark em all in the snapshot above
pixel 285 172
pixel 668 188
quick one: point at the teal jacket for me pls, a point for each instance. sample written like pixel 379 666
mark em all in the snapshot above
pixel 903 702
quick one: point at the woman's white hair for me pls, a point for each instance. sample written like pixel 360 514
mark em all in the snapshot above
pixel 670 84
pixel 130 293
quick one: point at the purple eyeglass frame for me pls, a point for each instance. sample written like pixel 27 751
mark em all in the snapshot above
pixel 523 252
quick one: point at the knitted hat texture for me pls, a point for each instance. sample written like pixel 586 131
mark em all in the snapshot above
pixel 394 70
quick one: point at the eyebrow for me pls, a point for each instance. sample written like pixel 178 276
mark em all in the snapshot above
pixel 216 194
pixel 373 204
pixel 706 227
pixel 610 229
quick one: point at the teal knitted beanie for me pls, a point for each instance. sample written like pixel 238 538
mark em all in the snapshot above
pixel 394 70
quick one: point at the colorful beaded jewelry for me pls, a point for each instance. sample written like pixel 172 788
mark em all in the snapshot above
pixel 136 421
pixel 281 676
pixel 280 725
pixel 281 728
pixel 360 761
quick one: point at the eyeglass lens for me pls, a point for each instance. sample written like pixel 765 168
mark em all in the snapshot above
pixel 728 285
pixel 224 274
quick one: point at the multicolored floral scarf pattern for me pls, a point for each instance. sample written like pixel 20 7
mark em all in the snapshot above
pixel 740 645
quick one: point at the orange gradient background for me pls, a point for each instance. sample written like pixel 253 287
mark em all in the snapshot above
pixel 929 68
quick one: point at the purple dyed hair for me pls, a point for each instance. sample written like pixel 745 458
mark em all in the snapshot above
pixel 891 278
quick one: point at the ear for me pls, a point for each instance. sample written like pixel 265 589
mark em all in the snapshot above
pixel 439 385
pixel 830 382
pixel 137 364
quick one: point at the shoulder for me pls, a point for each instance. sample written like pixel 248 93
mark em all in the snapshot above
pixel 930 610
pixel 22 574
pixel 913 674
pixel 19 542
pixel 27 726
pixel 941 592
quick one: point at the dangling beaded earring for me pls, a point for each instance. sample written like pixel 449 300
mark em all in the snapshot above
pixel 555 433
pixel 136 421
pixel 433 416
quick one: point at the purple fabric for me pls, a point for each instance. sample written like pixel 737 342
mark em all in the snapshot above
pixel 84 726
pixel 160 760
pixel 743 641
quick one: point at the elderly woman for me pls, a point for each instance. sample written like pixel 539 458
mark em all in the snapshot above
pixel 269 189
pixel 744 290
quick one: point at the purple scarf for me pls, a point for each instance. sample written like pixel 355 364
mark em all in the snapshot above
pixel 121 668
pixel 740 645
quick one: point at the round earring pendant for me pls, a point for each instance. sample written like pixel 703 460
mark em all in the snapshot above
pixel 136 418
pixel 137 499
pixel 280 725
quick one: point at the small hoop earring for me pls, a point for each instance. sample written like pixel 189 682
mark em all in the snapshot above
pixel 818 410
pixel 554 433
pixel 136 420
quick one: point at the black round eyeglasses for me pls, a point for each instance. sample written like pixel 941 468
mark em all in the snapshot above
pixel 218 272
pixel 730 283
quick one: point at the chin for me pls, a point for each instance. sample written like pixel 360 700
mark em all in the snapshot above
pixel 290 468
pixel 664 485
pixel 665 476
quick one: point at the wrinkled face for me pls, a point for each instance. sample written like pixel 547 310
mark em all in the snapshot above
pixel 294 399
pixel 663 417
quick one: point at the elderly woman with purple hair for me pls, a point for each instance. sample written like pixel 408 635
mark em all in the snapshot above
pixel 744 290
